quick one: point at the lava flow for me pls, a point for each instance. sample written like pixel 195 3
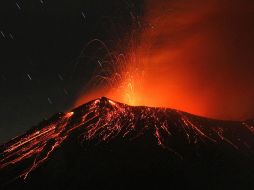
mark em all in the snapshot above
pixel 104 120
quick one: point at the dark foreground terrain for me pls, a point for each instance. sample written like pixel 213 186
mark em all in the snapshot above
pixel 108 145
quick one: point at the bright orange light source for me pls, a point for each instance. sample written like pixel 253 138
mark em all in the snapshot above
pixel 189 59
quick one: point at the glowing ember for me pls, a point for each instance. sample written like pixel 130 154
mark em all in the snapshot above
pixel 104 120
pixel 179 60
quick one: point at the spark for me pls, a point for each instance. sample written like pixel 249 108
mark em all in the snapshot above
pixel 69 114
pixel 111 102
pixel 103 120
pixel 122 74
pixel 249 127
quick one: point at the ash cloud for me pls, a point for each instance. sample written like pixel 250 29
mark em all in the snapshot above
pixel 199 57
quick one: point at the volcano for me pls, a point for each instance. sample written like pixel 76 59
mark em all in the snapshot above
pixel 109 145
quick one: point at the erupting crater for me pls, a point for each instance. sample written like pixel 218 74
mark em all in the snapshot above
pixel 106 121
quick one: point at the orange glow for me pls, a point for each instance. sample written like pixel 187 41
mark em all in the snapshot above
pixel 103 120
pixel 187 59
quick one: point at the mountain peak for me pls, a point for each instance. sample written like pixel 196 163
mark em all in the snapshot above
pixel 103 120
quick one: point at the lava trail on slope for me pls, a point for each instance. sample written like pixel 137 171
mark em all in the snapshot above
pixel 122 146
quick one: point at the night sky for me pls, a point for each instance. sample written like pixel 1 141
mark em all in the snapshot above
pixel 40 43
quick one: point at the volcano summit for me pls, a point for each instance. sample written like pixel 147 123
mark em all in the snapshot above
pixel 107 144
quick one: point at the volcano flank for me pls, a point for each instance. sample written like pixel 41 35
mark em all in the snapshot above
pixel 109 145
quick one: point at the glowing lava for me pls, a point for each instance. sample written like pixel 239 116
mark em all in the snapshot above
pixel 103 120
pixel 193 55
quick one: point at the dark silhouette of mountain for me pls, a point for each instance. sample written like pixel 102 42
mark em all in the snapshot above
pixel 109 145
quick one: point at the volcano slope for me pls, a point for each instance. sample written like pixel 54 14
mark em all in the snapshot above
pixel 109 145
